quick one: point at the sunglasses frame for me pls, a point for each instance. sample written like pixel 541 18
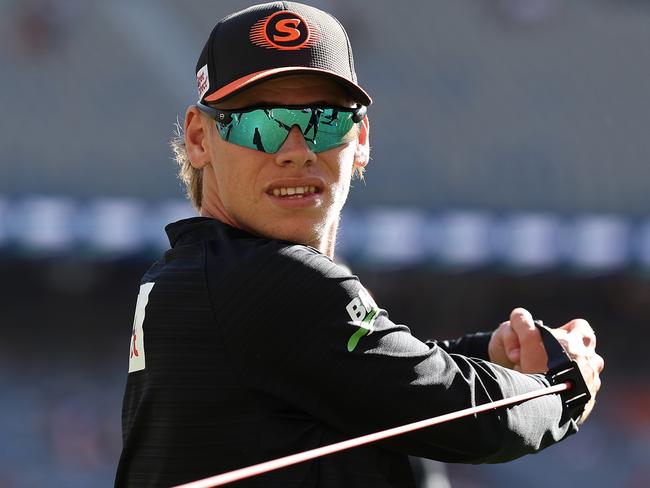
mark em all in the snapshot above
pixel 225 116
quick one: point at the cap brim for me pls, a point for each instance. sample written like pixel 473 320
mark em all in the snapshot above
pixel 250 80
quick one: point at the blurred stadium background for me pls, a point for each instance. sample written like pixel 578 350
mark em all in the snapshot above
pixel 510 168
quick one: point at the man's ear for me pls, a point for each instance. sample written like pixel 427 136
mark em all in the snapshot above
pixel 362 152
pixel 196 138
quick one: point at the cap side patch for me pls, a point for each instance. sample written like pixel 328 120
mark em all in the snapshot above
pixel 203 81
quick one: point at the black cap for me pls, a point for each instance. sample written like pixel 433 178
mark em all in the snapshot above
pixel 274 39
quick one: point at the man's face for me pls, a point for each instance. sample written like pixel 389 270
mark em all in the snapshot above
pixel 294 194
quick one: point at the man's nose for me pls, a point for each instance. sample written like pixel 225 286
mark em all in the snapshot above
pixel 294 150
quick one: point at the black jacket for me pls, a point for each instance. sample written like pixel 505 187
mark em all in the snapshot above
pixel 248 349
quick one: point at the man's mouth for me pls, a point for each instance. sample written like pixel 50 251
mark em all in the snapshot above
pixel 295 191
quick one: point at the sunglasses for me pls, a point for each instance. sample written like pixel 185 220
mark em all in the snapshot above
pixel 266 128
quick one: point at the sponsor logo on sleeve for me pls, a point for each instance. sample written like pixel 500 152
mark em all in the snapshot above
pixel 363 311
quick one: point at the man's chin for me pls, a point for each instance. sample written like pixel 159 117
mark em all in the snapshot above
pixel 299 238
pixel 306 234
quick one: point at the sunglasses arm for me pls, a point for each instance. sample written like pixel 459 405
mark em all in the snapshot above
pixel 214 113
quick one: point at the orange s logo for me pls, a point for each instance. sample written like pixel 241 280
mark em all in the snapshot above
pixel 284 30
pixel 289 28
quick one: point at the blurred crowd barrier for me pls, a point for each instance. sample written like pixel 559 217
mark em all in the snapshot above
pixel 381 236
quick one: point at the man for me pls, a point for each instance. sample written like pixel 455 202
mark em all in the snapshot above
pixel 253 344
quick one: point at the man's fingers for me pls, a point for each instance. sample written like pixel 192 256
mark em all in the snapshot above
pixel 591 369
pixel 599 363
pixel 518 344
pixel 522 324
pixel 511 344
pixel 504 346
pixel 533 356
pixel 582 327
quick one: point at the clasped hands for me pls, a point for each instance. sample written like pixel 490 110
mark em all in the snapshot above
pixel 517 344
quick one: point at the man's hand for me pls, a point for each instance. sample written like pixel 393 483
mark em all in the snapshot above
pixel 517 344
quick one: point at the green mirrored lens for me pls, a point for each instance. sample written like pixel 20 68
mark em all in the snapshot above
pixel 266 129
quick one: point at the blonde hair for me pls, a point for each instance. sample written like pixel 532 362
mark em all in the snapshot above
pixel 192 178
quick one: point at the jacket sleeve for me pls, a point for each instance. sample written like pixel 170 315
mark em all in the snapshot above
pixel 300 328
pixel 473 345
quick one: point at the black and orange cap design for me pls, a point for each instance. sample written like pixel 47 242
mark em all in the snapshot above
pixel 271 40
pixel 284 30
